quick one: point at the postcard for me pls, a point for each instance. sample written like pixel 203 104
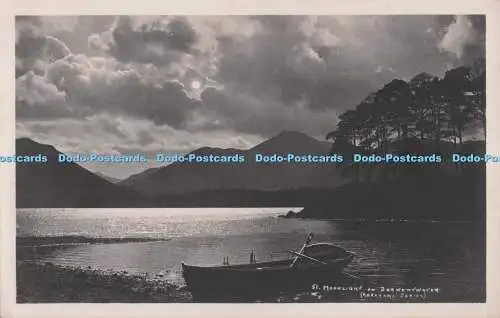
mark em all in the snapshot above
pixel 298 159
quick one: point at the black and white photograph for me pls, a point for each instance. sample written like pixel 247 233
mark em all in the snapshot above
pixel 250 158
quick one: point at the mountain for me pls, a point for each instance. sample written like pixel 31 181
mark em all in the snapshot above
pixel 292 142
pixel 108 178
pixel 138 176
pixel 182 178
pixel 63 185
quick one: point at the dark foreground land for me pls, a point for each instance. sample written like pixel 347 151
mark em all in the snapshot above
pixel 42 283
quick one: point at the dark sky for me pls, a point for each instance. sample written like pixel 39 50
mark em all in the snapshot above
pixel 150 83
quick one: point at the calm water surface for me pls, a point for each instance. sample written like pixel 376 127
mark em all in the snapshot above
pixel 445 255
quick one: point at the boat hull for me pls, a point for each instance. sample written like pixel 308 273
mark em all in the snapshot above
pixel 251 281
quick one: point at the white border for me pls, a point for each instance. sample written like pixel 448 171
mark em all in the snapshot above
pixel 10 8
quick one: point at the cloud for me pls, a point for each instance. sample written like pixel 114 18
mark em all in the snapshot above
pixel 96 85
pixel 124 135
pixel 74 31
pixel 132 77
pixel 160 42
pixel 233 110
pixel 318 61
pixel 37 99
pixel 30 44
pixel 330 62
pixel 459 35
pixel 165 104
pixel 34 49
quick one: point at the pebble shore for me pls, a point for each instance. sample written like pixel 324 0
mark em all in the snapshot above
pixel 48 283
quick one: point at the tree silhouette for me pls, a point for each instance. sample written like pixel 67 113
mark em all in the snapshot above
pixel 427 108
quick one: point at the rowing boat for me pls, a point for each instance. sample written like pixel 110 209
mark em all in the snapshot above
pixel 313 264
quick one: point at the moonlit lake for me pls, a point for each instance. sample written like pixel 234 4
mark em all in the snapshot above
pixel 447 255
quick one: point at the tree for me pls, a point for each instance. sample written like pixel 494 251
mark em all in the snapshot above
pixel 345 139
pixel 426 107
pixel 423 113
pixel 454 89
pixel 397 96
pixel 477 95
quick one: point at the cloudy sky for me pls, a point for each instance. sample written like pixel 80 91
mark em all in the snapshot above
pixel 173 84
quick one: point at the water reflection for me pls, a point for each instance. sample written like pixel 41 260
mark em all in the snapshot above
pixel 395 254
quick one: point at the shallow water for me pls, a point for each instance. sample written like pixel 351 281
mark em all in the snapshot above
pixel 449 256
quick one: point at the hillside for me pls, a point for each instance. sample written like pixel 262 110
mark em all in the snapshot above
pixel 182 178
pixel 138 176
pixel 108 178
pixel 440 198
pixel 56 185
pixel 437 191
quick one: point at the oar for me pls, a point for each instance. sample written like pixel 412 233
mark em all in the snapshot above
pixel 321 262
pixel 308 240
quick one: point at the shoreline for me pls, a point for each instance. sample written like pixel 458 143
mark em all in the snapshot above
pixel 45 282
pixel 61 240
pixel 34 247
pixel 303 216
pixel 49 283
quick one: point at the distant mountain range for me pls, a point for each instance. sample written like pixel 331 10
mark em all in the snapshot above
pixel 181 178
pixel 70 185
pixel 427 192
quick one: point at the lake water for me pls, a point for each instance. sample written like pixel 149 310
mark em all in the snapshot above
pixel 444 255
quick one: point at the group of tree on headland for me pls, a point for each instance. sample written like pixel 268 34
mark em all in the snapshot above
pixel 425 114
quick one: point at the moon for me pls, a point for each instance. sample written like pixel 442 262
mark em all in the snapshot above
pixel 195 84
